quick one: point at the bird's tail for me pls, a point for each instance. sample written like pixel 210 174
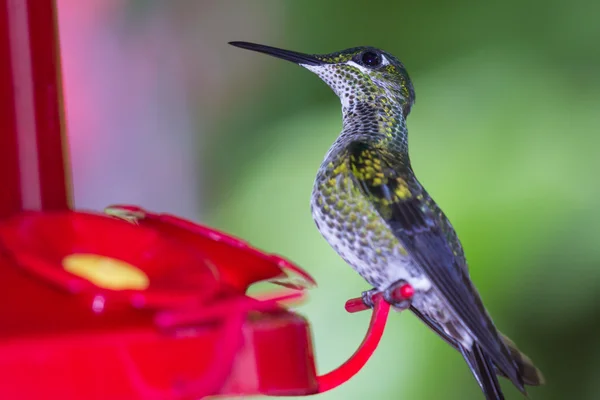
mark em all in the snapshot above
pixel 485 371
pixel 530 374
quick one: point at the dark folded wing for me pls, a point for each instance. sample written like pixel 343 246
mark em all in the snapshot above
pixel 423 231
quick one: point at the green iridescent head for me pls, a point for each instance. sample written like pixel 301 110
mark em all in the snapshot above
pixel 359 74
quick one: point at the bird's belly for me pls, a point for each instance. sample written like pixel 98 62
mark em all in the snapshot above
pixel 352 226
pixel 433 307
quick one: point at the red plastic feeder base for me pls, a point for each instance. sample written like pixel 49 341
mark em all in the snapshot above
pixel 95 307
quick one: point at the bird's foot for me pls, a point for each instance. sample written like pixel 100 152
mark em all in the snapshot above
pixel 399 295
pixel 367 297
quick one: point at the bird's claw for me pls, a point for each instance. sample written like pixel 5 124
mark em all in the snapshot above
pixel 367 297
pixel 399 294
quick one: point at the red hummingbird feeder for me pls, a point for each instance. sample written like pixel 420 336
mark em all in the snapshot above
pixel 129 304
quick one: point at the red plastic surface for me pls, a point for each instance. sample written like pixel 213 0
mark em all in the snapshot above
pixel 189 333
pixel 33 172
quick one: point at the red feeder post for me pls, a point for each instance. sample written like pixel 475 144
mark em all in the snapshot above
pixel 127 304
pixel 33 169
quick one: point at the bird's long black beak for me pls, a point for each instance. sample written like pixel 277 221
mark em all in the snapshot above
pixel 288 55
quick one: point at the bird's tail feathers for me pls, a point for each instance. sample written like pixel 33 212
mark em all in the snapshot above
pixel 530 374
pixel 484 371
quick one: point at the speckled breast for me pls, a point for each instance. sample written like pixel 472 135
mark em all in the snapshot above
pixel 352 226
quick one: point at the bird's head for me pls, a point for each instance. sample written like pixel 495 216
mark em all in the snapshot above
pixel 359 74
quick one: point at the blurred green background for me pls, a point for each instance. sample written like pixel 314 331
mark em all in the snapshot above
pixel 504 135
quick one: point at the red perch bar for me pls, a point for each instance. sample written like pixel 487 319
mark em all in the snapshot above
pixel 128 304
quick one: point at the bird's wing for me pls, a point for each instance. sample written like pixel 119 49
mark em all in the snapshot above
pixel 423 231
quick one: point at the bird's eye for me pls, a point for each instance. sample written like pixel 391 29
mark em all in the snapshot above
pixel 371 59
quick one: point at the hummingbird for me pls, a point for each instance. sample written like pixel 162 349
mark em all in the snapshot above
pixel 369 206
